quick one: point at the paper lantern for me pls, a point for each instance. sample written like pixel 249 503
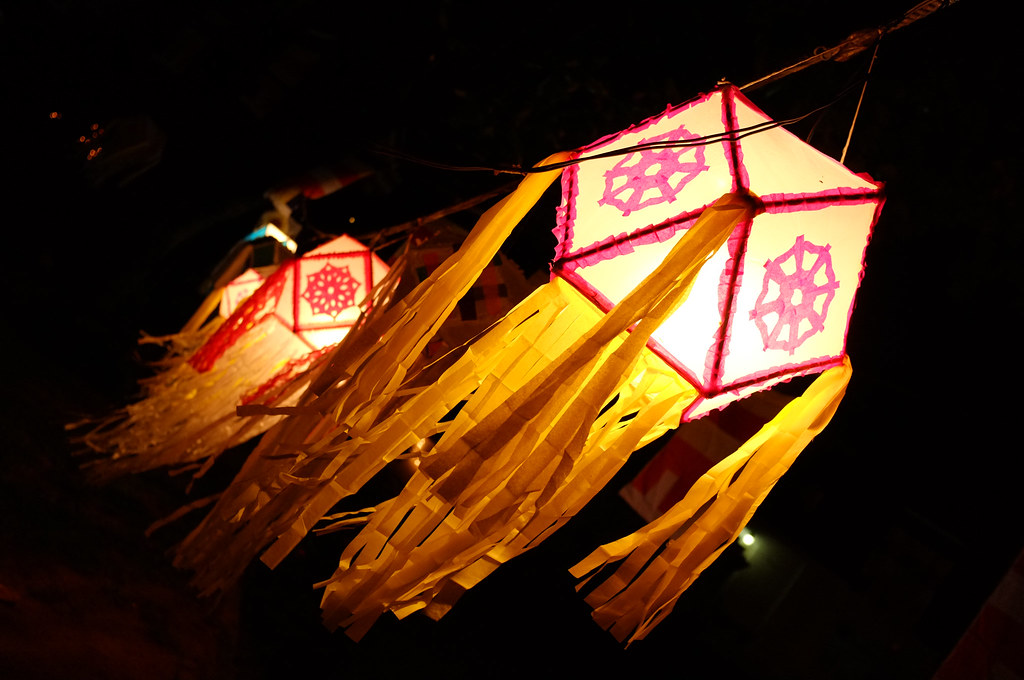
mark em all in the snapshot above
pixel 262 250
pixel 776 303
pixel 273 232
pixel 188 412
pixel 519 429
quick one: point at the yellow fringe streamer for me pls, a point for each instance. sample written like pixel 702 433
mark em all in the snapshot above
pixel 186 415
pixel 556 397
pixel 561 399
pixel 292 470
pixel 661 560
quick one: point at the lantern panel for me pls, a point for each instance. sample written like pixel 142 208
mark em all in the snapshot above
pixel 793 304
pixel 689 334
pixel 238 291
pixel 329 289
pixel 778 163
pixel 648 195
pixel 322 297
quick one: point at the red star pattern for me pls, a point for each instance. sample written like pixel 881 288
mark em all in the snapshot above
pixel 331 290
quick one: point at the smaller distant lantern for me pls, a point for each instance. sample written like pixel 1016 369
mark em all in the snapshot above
pixel 274 334
pixel 315 297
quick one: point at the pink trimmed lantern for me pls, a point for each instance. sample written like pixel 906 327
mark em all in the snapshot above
pixel 189 414
pixel 773 305
pixel 317 297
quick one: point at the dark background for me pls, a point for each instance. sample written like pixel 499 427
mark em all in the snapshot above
pixel 898 521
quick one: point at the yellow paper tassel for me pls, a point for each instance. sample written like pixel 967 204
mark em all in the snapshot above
pixel 561 404
pixel 187 415
pixel 289 481
pixel 661 560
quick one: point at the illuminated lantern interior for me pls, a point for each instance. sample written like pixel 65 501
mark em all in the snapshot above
pixel 773 305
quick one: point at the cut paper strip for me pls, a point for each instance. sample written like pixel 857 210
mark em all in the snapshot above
pixel 695 448
pixel 658 562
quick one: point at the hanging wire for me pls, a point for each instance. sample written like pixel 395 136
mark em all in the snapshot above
pixel 734 135
pixel 856 43
pixel 391 235
pixel 860 100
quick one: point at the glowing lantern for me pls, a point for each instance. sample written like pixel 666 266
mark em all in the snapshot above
pixel 316 297
pixel 289 322
pixel 518 431
pixel 774 304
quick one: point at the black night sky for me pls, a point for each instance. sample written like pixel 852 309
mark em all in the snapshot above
pixel 899 519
